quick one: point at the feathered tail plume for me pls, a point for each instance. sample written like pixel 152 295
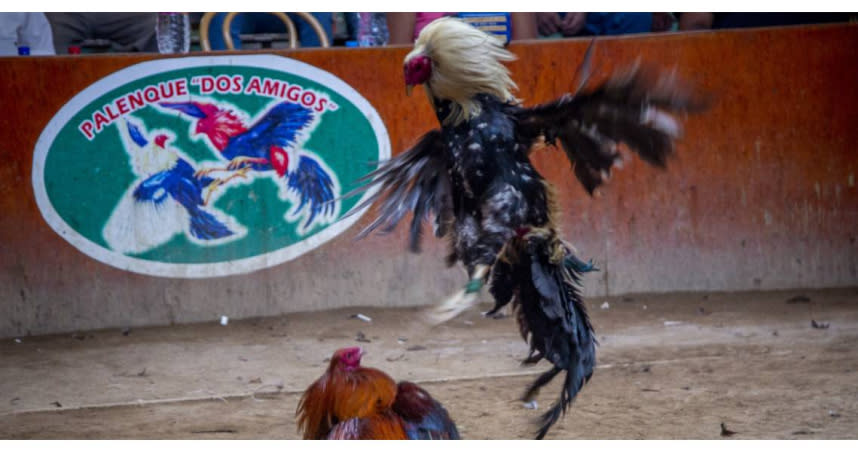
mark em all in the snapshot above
pixel 540 275
pixel 412 182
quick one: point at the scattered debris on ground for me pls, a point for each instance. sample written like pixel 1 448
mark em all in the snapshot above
pixel 396 358
pixel 362 317
pixel 725 431
pixel 531 405
pixel 820 325
pixel 220 430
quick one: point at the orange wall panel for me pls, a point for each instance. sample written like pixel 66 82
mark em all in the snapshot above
pixel 761 194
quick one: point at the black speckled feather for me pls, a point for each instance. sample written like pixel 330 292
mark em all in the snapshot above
pixel 478 181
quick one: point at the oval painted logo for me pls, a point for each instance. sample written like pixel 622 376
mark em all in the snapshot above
pixel 206 166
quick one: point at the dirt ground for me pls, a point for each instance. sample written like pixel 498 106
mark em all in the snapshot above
pixel 670 366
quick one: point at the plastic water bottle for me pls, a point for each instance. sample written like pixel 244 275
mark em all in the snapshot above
pixel 173 32
pixel 372 29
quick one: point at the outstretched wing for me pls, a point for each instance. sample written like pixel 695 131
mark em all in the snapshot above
pixel 315 189
pixel 278 127
pixel 415 181
pixel 634 107
pixel 423 416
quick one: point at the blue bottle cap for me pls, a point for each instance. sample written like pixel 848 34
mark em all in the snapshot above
pixel 351 44
pixel 23 50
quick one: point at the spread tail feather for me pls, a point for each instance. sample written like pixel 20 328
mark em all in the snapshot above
pixel 551 316
pixel 205 226
pixel 571 386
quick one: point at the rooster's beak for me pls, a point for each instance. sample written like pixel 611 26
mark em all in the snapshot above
pixel 408 90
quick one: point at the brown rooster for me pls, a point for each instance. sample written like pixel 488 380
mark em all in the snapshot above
pixel 353 402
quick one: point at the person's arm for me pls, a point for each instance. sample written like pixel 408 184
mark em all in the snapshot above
pixel 573 23
pixel 401 27
pixel 36 33
pixel 696 21
pixel 523 26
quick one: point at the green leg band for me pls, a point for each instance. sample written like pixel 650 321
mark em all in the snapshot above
pixel 473 285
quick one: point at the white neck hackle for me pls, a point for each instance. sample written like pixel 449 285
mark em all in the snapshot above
pixel 465 62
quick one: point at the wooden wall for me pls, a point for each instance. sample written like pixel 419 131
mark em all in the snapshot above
pixel 761 196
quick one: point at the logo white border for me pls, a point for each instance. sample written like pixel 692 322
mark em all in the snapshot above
pixel 208 270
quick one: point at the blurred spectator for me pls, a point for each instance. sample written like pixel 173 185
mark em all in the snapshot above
pixel 248 23
pixel 560 24
pixel 664 22
pixel 25 29
pixel 404 27
pixel 126 32
pixel 705 21
pixel 556 25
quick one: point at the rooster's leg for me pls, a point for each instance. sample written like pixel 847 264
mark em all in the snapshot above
pixel 244 162
pixel 462 300
pixel 218 182
pixel 201 173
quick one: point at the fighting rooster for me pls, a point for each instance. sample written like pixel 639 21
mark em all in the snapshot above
pixel 167 200
pixel 474 176
pixel 268 145
pixel 354 402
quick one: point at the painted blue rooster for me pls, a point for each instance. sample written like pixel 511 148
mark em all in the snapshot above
pixel 269 145
pixel 167 199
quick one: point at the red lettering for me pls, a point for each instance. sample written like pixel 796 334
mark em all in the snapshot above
pixel 308 98
pixel 166 89
pixel 206 85
pixel 136 100
pixel 150 94
pixel 110 113
pixel 269 87
pixel 293 92
pixel 222 84
pixel 181 87
pixel 86 128
pixel 236 83
pixel 121 104
pixel 254 86
pixel 100 121
pixel 321 104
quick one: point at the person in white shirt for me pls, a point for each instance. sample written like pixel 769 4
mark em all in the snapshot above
pixel 25 30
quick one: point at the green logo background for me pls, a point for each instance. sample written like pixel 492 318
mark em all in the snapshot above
pixel 84 180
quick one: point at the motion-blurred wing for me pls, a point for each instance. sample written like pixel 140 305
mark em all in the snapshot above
pixel 635 107
pixel 416 181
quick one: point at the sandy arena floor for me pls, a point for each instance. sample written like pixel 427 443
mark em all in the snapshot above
pixel 670 366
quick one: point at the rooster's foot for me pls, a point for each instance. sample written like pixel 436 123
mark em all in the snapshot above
pixel 245 162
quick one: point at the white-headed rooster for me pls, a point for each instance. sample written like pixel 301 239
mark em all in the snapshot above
pixel 475 178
